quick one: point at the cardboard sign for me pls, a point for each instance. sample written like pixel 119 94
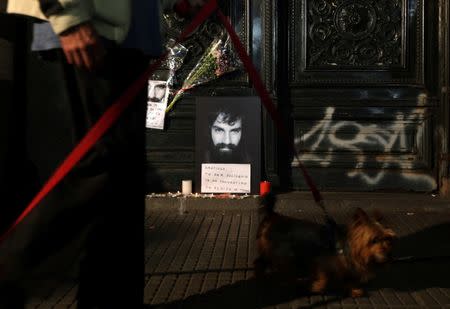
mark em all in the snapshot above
pixel 225 178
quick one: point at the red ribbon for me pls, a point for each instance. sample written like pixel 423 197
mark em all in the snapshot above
pixel 116 109
pixel 268 103
pixel 106 121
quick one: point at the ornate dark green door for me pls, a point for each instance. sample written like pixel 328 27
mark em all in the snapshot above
pixel 362 92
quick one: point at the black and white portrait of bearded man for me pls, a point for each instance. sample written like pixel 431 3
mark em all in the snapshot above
pixel 227 132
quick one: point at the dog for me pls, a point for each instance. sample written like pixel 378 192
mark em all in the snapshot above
pixel 325 256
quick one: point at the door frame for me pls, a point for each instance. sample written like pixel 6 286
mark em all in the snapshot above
pixel 443 132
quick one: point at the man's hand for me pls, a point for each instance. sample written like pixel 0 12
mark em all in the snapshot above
pixel 82 47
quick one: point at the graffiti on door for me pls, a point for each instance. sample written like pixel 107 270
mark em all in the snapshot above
pixel 371 148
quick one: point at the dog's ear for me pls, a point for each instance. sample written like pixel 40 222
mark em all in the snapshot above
pixel 360 215
pixel 377 215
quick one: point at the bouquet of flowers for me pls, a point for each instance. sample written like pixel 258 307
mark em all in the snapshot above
pixel 217 60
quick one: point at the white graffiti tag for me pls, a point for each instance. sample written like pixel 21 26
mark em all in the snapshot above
pixel 325 138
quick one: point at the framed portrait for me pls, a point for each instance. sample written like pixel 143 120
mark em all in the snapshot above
pixel 228 144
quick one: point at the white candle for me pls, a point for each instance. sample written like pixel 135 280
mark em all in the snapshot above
pixel 186 187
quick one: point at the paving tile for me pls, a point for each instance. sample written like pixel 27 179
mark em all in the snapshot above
pixel 198 244
pixel 348 301
pixel 237 276
pixel 61 306
pixel 182 252
pixel 209 282
pixel 151 288
pixel 391 297
pixel 62 295
pixel 208 247
pixel 284 306
pixel 224 278
pixel 172 248
pixel 164 289
pixel 363 301
pixel 376 299
pixel 179 290
pixel 195 284
pixel 301 302
pixel 440 297
pixel 157 248
pixel 406 298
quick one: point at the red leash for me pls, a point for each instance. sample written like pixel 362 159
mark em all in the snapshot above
pixel 106 121
pixel 269 105
pixel 116 109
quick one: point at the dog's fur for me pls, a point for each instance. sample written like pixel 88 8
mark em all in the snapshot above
pixel 341 258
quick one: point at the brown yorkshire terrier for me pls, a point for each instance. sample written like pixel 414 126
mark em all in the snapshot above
pixel 341 257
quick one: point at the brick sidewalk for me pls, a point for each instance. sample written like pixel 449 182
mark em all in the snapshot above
pixel 203 258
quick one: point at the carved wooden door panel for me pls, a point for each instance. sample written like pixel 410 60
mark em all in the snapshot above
pixel 362 92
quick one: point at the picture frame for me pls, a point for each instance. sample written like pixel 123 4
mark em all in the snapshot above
pixel 228 145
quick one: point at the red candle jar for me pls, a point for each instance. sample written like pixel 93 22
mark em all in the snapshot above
pixel 264 187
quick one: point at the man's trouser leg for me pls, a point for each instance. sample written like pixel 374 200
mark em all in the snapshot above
pixel 98 209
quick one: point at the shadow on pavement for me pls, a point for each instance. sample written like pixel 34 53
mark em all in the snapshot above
pixel 428 267
pixel 249 293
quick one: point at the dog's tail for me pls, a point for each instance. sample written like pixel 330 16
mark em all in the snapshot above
pixel 268 203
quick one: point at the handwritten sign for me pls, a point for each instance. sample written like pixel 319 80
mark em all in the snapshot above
pixel 225 178
pixel 155 115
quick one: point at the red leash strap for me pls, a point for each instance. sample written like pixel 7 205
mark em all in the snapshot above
pixel 268 103
pixel 116 109
pixel 106 121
